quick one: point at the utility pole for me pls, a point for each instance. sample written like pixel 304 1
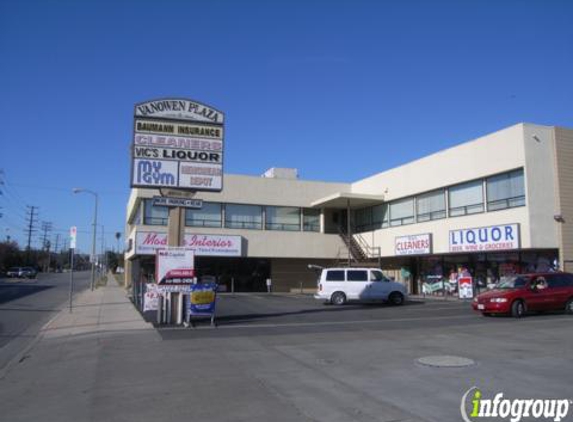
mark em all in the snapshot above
pixel 32 221
pixel 46 228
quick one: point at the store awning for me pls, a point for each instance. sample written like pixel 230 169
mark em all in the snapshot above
pixel 343 200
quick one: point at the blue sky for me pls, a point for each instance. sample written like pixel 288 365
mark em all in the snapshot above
pixel 338 89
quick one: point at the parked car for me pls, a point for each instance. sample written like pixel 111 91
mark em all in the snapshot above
pixel 13 272
pixel 339 285
pixel 22 272
pixel 516 295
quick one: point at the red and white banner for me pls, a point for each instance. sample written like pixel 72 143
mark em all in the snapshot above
pixel 174 265
pixel 147 243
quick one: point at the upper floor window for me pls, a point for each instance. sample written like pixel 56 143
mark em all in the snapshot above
pixel 506 190
pixel 380 216
pixel 282 218
pixel 431 206
pixel 208 216
pixel 466 198
pixel 363 220
pixel 243 216
pixel 402 212
pixel 155 215
pixel 310 220
pixel 136 218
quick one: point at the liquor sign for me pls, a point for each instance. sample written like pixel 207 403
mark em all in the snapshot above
pixel 174 265
pixel 147 243
pixel 177 143
pixel 492 238
pixel 418 244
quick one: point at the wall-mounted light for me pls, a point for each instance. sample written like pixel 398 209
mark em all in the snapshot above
pixel 534 136
pixel 559 218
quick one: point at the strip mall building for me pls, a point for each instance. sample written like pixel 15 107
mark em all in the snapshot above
pixel 497 205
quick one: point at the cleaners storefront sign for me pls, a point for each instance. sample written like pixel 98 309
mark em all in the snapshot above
pixel 147 243
pixel 418 244
pixel 492 238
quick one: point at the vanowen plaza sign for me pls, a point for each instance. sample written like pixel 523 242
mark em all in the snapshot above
pixel 177 143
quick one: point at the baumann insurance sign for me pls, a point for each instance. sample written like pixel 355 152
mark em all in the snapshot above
pixel 492 238
pixel 177 143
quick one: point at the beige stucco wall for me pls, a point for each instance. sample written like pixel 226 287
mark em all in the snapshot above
pixel 491 154
pixel 564 190
pixel 540 184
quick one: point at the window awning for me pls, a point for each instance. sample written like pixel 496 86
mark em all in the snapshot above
pixel 343 200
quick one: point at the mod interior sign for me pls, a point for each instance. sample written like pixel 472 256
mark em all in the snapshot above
pixel 147 243
pixel 490 238
pixel 174 265
pixel 177 143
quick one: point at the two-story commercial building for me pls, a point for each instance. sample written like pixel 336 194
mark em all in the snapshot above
pixel 496 205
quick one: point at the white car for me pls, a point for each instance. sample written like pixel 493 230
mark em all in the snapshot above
pixel 339 285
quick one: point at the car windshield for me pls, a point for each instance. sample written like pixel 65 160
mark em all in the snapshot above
pixel 511 283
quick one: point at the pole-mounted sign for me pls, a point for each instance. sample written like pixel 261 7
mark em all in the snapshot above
pixel 73 237
pixel 177 143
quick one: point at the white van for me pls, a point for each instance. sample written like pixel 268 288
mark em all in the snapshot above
pixel 339 285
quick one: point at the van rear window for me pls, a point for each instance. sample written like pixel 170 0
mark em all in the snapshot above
pixel 335 275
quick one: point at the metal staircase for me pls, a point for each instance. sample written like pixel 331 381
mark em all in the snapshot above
pixel 357 252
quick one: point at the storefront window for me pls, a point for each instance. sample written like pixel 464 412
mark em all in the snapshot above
pixel 243 217
pixel 155 215
pixel 282 218
pixel 466 198
pixel 431 206
pixel 505 191
pixel 311 220
pixel 208 216
pixel 402 212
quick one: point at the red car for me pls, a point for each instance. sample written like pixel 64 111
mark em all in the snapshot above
pixel 518 294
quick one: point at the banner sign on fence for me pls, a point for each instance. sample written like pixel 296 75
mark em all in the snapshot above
pixel 151 297
pixel 202 299
pixel 174 265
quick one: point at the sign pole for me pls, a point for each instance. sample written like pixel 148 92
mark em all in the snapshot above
pixel 73 239
pixel 175 237
pixel 71 276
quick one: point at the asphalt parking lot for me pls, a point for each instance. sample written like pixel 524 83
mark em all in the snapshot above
pixel 361 362
pixel 276 314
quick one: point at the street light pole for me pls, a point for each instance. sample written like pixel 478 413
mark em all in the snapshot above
pixel 79 190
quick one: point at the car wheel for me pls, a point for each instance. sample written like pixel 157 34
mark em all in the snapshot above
pixel 486 314
pixel 338 298
pixel 396 298
pixel 518 309
pixel 569 307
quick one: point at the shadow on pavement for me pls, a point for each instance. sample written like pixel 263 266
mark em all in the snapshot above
pixel 13 292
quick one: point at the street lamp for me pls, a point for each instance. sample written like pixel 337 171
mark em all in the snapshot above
pixel 80 190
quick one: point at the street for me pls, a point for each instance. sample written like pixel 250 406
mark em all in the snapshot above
pixel 26 305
